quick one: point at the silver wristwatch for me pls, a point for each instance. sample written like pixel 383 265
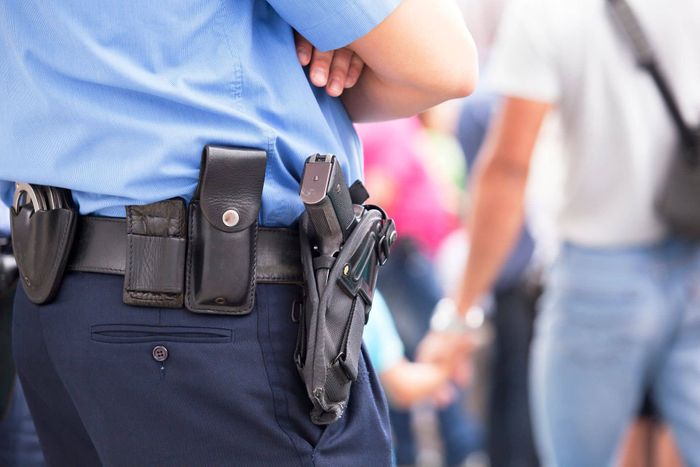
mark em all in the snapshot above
pixel 446 318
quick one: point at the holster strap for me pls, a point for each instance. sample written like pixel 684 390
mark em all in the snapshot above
pixel 101 247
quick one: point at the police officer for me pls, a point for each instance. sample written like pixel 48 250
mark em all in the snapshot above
pixel 114 101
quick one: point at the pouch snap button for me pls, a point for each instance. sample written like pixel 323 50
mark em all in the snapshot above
pixel 160 353
pixel 231 218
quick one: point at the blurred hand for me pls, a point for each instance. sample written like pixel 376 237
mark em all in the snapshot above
pixel 336 70
pixel 444 396
pixel 450 351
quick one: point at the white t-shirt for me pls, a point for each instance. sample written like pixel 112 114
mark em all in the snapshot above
pixel 618 135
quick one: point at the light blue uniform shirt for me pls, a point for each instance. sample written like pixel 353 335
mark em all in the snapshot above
pixel 116 99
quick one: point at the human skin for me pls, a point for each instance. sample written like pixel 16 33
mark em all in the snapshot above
pixel 408 383
pixel 497 216
pixel 421 55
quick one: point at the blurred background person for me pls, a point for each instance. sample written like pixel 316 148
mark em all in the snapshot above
pixel 19 444
pixel 620 311
pixel 509 440
pixel 508 428
pixel 397 178
pixel 405 383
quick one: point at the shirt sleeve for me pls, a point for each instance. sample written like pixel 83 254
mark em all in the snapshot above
pixel 331 24
pixel 381 338
pixel 524 62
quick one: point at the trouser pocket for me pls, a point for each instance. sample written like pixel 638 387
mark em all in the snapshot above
pixel 137 333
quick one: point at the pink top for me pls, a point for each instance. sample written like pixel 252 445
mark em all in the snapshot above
pixel 408 194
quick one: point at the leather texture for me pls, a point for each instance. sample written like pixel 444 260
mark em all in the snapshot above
pixel 100 247
pixel 221 259
pixel 231 178
pixel 220 267
pixel 155 254
pixel 42 242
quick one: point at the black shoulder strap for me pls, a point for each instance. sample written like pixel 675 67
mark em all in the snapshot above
pixel 644 54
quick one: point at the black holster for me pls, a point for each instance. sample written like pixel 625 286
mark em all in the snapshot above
pixel 333 316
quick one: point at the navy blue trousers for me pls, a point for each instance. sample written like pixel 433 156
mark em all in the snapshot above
pixel 227 394
pixel 19 445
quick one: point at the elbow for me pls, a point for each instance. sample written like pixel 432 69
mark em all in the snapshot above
pixel 461 74
pixel 466 84
pixel 465 73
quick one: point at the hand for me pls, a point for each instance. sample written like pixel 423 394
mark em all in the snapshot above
pixel 444 396
pixel 336 70
pixel 450 351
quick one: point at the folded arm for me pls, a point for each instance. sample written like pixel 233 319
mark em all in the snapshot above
pixel 420 55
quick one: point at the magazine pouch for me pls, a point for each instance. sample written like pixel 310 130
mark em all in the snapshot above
pixel 223 227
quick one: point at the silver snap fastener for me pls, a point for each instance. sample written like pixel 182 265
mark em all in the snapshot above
pixel 231 218
pixel 160 353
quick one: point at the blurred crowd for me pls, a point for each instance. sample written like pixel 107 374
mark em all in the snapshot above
pixel 520 182
pixel 592 136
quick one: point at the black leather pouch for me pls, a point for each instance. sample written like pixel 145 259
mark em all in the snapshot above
pixel 223 227
pixel 42 238
pixel 155 256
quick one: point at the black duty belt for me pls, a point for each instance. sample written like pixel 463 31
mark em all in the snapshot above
pixel 101 247
pixel 207 256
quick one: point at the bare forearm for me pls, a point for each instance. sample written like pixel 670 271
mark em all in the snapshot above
pixel 373 99
pixel 497 217
pixel 421 55
pixel 496 222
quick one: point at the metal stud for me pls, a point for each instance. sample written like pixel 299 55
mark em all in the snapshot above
pixel 231 218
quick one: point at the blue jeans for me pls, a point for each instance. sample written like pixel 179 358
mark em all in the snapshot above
pixel 613 323
pixel 103 390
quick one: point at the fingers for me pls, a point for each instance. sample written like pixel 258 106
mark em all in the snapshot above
pixel 462 373
pixel 304 49
pixel 339 72
pixel 354 72
pixel 336 70
pixel 320 67
pixel 444 396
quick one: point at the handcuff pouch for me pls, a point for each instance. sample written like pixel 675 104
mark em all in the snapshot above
pixel 42 238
